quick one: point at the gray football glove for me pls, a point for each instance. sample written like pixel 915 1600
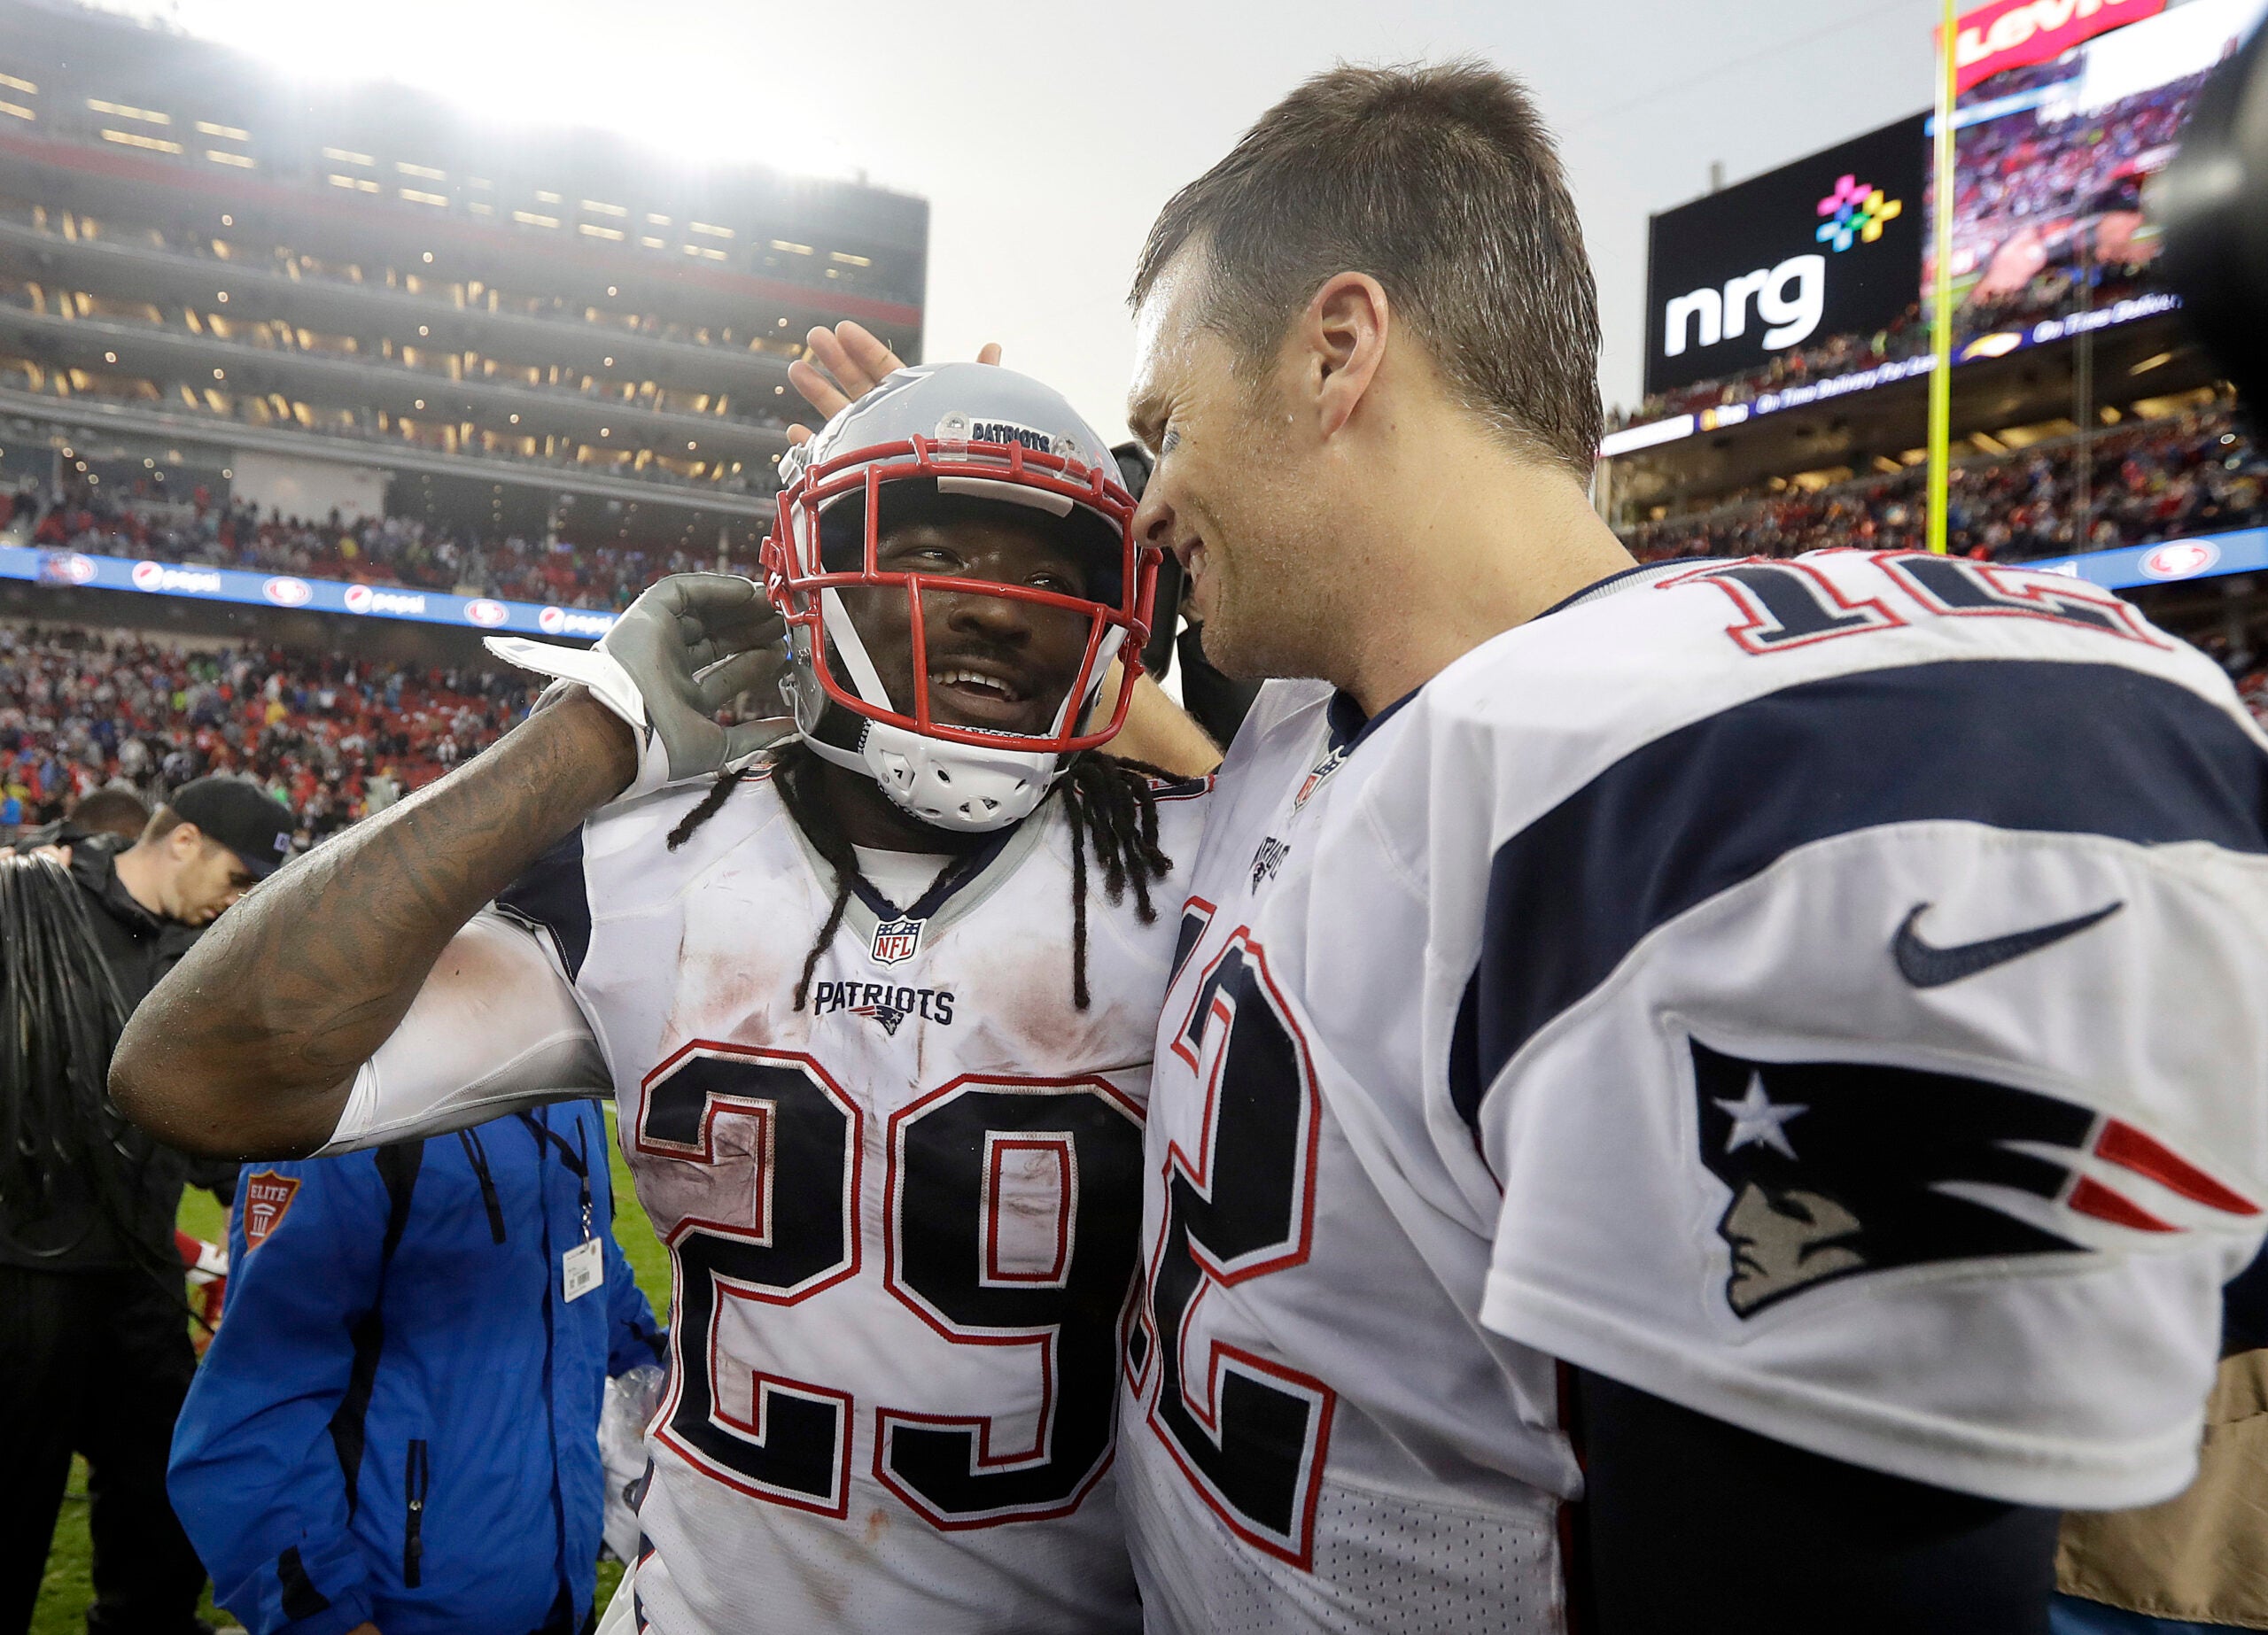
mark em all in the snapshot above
pixel 685 648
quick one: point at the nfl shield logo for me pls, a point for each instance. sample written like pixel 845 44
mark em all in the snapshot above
pixel 896 940
pixel 1316 775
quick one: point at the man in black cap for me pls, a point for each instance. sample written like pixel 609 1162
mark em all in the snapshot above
pixel 95 1355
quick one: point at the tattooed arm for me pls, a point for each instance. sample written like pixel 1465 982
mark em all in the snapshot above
pixel 250 1046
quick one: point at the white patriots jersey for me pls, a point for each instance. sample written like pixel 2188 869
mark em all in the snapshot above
pixel 1825 993
pixel 903 1223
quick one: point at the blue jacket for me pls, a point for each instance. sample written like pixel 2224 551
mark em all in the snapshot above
pixel 398 1419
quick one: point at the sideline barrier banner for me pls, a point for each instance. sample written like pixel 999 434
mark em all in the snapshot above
pixel 2206 556
pixel 269 589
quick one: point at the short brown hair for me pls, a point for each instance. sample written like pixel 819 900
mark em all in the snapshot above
pixel 113 810
pixel 1440 181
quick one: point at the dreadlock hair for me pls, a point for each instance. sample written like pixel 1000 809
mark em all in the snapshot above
pixel 1108 803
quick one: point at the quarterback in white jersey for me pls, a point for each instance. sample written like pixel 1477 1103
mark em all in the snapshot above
pixel 1771 1053
pixel 1540 1000
pixel 875 1009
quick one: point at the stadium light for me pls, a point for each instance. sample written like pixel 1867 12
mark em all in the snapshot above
pixel 581 66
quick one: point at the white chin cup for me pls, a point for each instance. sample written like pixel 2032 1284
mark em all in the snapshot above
pixel 964 788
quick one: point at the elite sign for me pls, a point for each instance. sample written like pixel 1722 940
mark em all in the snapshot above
pixel 1825 247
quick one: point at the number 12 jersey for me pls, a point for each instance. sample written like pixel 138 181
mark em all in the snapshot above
pixel 1824 993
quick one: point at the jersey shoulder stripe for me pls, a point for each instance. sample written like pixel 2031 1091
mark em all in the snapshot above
pixel 2033 745
pixel 625 843
pixel 554 897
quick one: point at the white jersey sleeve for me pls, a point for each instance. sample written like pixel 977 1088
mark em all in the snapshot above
pixel 495 1028
pixel 1851 972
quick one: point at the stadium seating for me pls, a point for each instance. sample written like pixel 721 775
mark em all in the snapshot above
pixel 2160 480
pixel 335 737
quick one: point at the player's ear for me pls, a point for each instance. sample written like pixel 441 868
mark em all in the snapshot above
pixel 1343 335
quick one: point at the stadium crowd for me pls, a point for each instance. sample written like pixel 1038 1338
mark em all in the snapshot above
pixel 2159 480
pixel 393 550
pixel 2061 190
pixel 332 737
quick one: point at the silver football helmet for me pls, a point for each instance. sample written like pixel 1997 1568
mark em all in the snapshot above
pixel 953 438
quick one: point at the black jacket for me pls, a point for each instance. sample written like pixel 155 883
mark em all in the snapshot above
pixel 72 1233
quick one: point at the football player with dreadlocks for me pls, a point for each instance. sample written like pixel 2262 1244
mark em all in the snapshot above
pixel 876 1006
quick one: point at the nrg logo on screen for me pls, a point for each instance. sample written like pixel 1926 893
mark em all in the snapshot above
pixel 1790 297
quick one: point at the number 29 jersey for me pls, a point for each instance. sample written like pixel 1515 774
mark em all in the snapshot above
pixel 1824 993
pixel 901 1220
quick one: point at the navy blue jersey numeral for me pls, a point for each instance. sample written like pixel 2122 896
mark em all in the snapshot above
pixel 1014 1214
pixel 1249 1434
pixel 1013 1211
pixel 1957 585
pixel 1789 605
pixel 791 1443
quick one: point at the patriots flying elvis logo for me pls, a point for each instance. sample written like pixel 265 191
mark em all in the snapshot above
pixel 1838 1169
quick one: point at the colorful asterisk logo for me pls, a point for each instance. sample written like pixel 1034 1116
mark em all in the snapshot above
pixel 1855 211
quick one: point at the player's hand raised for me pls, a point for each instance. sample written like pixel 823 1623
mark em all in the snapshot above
pixel 844 364
pixel 684 650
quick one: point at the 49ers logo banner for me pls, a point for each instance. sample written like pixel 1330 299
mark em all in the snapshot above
pixel 267 1200
pixel 2012 33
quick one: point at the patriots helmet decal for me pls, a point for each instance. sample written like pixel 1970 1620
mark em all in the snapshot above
pixel 1842 1168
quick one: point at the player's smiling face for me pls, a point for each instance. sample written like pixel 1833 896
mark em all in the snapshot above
pixel 999 664
pixel 1234 495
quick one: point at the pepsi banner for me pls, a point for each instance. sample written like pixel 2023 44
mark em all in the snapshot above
pixel 1823 247
pixel 377 602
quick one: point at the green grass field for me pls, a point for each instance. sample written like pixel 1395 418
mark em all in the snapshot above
pixel 66 1591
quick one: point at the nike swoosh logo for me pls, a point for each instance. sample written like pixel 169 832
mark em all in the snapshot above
pixel 1925 966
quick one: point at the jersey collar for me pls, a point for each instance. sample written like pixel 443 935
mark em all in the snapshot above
pixel 961 871
pixel 1349 726
pixel 958 894
pixel 1621 579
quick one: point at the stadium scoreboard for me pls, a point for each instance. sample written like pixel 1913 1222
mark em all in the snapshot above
pixel 1826 245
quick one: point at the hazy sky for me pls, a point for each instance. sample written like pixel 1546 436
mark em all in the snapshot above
pixel 1045 137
